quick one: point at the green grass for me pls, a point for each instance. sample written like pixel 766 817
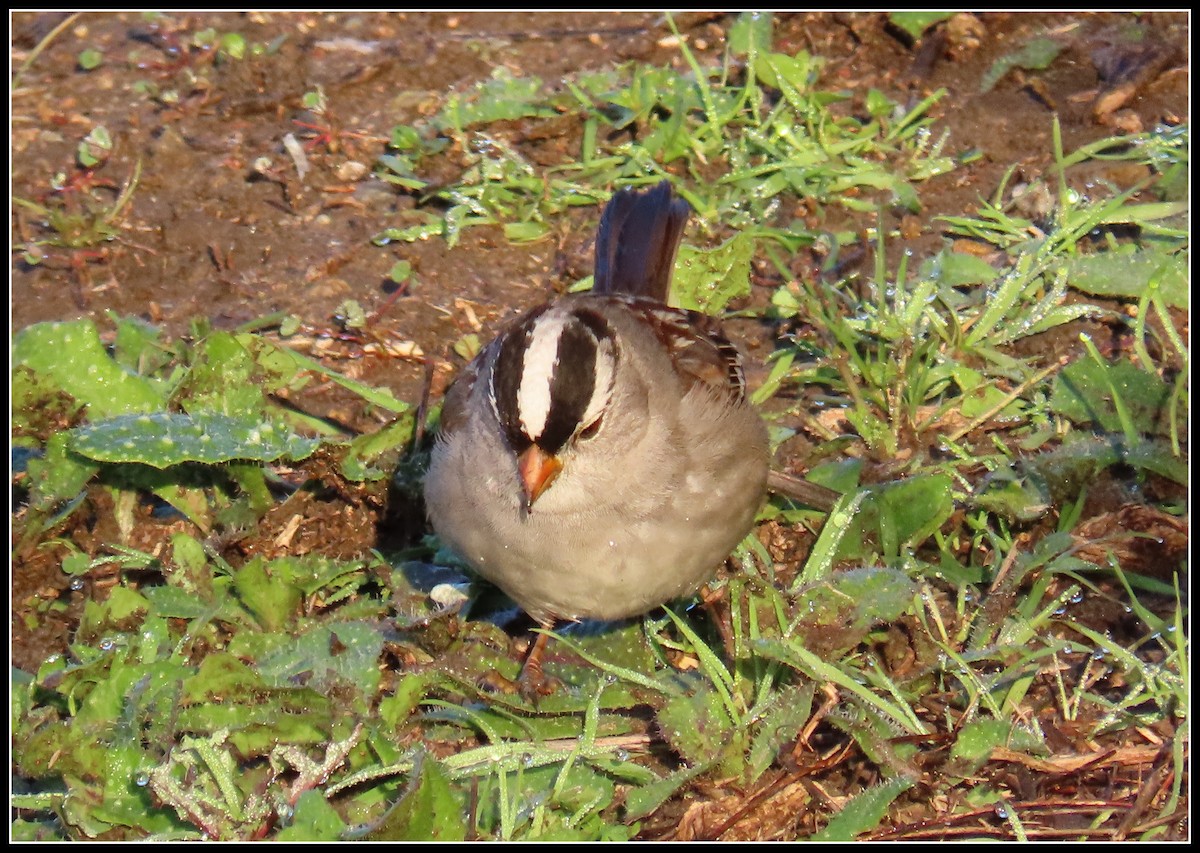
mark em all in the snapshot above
pixel 937 622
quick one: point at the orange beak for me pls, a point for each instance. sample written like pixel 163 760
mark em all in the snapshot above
pixel 537 469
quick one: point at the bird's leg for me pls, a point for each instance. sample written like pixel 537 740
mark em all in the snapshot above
pixel 533 682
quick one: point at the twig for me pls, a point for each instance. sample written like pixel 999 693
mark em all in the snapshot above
pixel 42 45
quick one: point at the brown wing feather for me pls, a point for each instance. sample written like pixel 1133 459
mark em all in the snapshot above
pixel 699 352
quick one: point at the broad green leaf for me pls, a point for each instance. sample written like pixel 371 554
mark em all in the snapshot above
pixel 221 380
pixel 903 514
pixel 163 439
pixel 644 799
pixel 835 614
pixel 1128 275
pixel 429 810
pixel 696 725
pixel 790 709
pixel 226 694
pixel 338 655
pixel 501 98
pixel 73 356
pixel 269 592
pixel 314 819
pixel 1083 391
pixel 959 269
pixel 58 475
pixel 707 280
pixel 751 33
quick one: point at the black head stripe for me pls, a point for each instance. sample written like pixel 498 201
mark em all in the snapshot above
pixel 506 377
pixel 571 385
pixel 596 322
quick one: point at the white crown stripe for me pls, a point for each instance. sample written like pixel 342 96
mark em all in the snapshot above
pixel 541 358
pixel 603 387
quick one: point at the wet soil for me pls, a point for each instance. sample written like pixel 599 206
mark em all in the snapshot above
pixel 221 226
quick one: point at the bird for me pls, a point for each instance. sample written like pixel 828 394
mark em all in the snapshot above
pixel 600 457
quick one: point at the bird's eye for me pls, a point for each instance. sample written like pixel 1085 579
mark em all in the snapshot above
pixel 591 429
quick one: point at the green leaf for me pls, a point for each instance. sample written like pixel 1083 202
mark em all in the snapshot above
pixel 707 280
pixel 916 23
pixel 366 452
pixel 233 44
pixel 124 603
pixel 1158 457
pixel 72 355
pixel 270 593
pixel 351 315
pixel 903 514
pixel 400 271
pixel 313 820
pixel 95 147
pixel 138 347
pixel 283 362
pixel 90 59
pixel 751 33
pixel 696 725
pixel 405 698
pixel 525 232
pixel 57 476
pixel 1128 275
pixel 836 613
pixel 502 98
pixel 978 738
pixel 1017 497
pixel 338 655
pixel 222 379
pixel 173 602
pixel 863 812
pixel 1083 391
pixel 429 810
pixel 959 269
pixel 1036 55
pixel 39 405
pixel 164 439
pixel 227 695
pixel 644 799
pixel 790 709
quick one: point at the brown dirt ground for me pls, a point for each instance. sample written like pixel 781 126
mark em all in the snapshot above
pixel 208 236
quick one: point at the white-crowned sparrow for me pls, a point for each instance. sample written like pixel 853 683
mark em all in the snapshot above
pixel 599 457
